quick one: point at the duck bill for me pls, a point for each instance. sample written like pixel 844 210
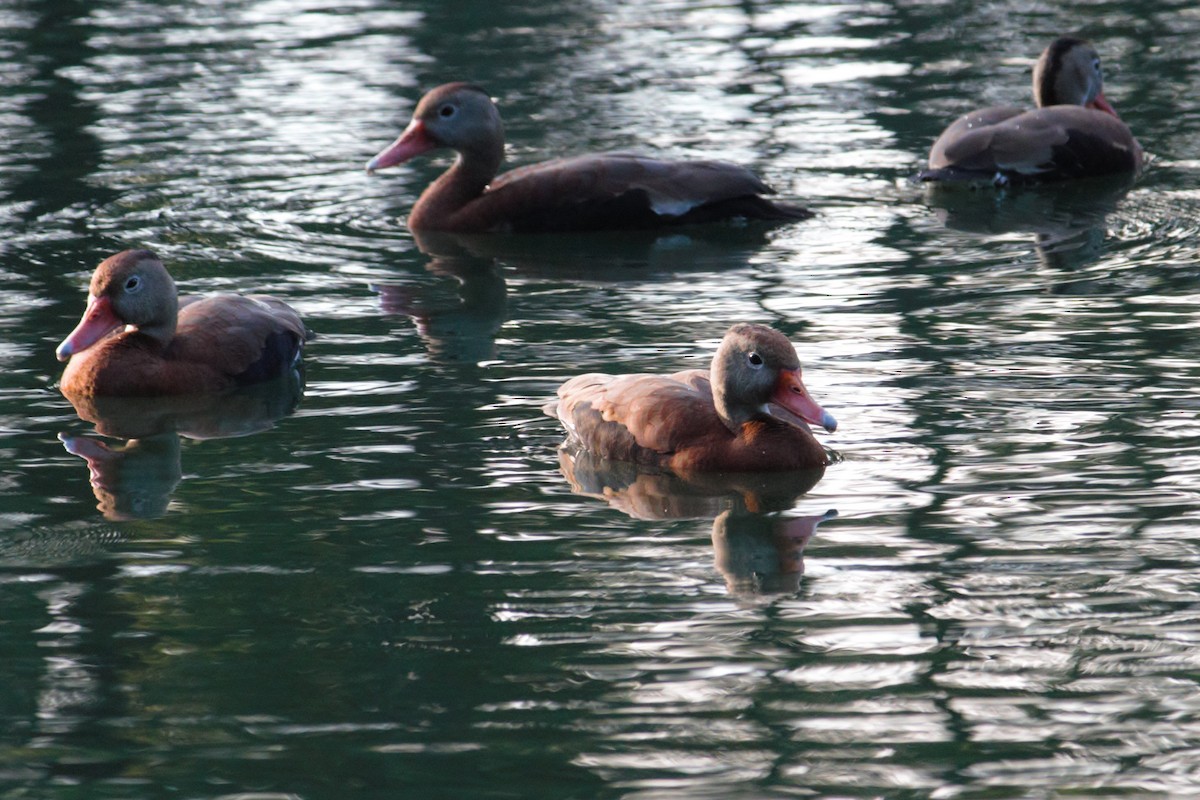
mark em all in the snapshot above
pixel 414 141
pixel 792 403
pixel 98 321
pixel 1100 103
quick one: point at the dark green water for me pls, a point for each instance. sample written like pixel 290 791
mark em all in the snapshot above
pixel 394 591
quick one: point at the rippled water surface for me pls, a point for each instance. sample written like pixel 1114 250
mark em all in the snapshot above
pixel 395 585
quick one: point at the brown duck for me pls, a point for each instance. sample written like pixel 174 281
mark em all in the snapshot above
pixel 603 191
pixel 137 338
pixel 750 412
pixel 1073 133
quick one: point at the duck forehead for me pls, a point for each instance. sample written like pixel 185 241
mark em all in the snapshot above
pixel 450 92
pixel 430 102
pixel 108 275
pixel 779 351
pixel 113 271
pixel 769 343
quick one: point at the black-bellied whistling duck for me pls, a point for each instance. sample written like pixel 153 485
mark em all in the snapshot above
pixel 748 413
pixel 138 339
pixel 604 191
pixel 1073 133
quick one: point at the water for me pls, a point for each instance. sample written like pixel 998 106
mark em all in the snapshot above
pixel 394 590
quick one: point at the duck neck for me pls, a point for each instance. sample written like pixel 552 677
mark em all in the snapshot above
pixel 733 417
pixel 466 180
pixel 1044 91
pixel 162 329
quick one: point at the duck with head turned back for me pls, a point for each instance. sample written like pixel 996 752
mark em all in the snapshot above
pixel 604 191
pixel 137 338
pixel 748 413
pixel 1073 133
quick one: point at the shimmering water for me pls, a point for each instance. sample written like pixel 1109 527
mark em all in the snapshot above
pixel 396 590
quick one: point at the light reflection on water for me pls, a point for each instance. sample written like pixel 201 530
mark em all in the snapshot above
pixel 397 588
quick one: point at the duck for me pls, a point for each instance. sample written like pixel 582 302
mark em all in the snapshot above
pixel 749 412
pixel 138 338
pixel 1074 132
pixel 600 191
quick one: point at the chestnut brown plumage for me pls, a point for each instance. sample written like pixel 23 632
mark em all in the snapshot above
pixel 749 412
pixel 604 191
pixel 138 338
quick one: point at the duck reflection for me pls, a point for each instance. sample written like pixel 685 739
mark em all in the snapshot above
pixel 131 480
pixel 1068 221
pixel 136 477
pixel 755 549
pixel 460 328
pixel 460 325
pixel 606 255
pixel 763 555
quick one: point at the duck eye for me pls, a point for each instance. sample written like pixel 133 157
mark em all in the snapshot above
pixel 755 360
pixel 133 283
pixel 446 111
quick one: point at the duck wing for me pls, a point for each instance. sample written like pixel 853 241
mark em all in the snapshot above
pixel 622 190
pixel 1050 143
pixel 248 338
pixel 642 418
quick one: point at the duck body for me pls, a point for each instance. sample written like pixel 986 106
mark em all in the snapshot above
pixel 603 191
pixel 138 339
pixel 612 191
pixel 748 413
pixel 1073 133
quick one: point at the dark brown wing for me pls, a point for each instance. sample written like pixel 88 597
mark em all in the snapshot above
pixel 621 190
pixel 642 418
pixel 967 142
pixel 246 338
pixel 1050 143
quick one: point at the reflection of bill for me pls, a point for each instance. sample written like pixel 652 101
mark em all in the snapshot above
pixel 133 480
pixel 763 554
pixel 755 549
pixel 136 477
